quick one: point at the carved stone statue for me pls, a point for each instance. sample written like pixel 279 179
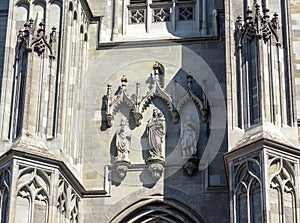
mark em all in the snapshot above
pixel 123 140
pixel 188 138
pixel 156 133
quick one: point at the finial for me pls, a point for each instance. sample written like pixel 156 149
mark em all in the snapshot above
pixel 137 93
pixel 108 92
pixel 189 81
pixel 124 82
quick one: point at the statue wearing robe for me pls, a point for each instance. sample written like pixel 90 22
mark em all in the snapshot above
pixel 156 133
pixel 188 138
pixel 123 139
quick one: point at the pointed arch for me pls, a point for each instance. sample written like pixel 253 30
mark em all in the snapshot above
pixel 33 192
pixel 282 189
pixel 153 210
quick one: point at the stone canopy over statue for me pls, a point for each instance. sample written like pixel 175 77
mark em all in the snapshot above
pixel 180 104
pixel 156 132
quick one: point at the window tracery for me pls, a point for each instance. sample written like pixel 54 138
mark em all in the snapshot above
pixel 248 189
pixel 33 193
pixel 282 189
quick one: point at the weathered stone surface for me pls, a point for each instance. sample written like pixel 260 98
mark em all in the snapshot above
pixel 192 83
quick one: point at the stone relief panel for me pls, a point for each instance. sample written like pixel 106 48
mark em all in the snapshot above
pixel 155 116
pixel 282 189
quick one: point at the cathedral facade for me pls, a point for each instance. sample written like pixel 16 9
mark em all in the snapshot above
pixel 149 111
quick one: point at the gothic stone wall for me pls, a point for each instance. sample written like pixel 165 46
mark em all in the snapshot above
pixel 202 60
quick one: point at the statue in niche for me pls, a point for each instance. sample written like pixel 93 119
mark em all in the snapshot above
pixel 188 138
pixel 156 132
pixel 123 140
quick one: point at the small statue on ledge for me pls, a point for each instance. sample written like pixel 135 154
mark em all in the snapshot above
pixel 156 132
pixel 188 138
pixel 123 140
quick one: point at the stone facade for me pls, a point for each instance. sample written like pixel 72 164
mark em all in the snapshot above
pixel 149 111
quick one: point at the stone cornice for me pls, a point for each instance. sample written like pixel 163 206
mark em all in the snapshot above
pixel 256 146
pixel 54 163
pixel 158 42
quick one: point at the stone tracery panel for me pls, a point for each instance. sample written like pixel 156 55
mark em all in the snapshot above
pixel 33 194
pixel 5 188
pixel 74 209
pixel 248 191
pixel 61 200
pixel 282 191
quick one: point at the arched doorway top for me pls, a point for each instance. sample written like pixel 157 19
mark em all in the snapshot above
pixel 158 210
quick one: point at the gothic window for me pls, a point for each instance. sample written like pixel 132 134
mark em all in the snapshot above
pixel 137 11
pixel 161 14
pixel 137 16
pixel 160 11
pixel 185 13
pixel 162 19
